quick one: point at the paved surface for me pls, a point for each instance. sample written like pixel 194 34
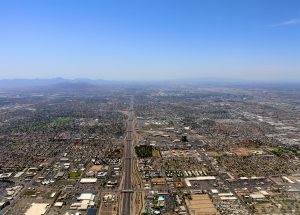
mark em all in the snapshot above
pixel 127 191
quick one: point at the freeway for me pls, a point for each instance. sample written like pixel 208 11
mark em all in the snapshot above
pixel 127 191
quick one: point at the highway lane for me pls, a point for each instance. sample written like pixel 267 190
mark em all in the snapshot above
pixel 127 191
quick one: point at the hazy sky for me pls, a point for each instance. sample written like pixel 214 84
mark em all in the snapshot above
pixel 150 39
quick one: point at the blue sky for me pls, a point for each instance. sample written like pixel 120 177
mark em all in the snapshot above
pixel 150 39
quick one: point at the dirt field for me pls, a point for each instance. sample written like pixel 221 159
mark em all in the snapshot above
pixel 241 151
pixel 96 168
pixel 109 209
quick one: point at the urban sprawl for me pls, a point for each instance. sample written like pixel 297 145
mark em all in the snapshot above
pixel 109 150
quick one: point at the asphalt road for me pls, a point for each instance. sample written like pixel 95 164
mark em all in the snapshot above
pixel 127 191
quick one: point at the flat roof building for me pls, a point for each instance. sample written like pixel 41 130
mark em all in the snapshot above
pixel 88 180
pixel 37 209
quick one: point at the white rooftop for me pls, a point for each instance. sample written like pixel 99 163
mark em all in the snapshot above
pixel 58 204
pixel 200 178
pixel 37 209
pixel 86 196
pixel 88 180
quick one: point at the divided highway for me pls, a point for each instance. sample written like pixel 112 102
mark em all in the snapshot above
pixel 127 191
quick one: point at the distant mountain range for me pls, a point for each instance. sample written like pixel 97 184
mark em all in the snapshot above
pixel 20 83
pixel 85 82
